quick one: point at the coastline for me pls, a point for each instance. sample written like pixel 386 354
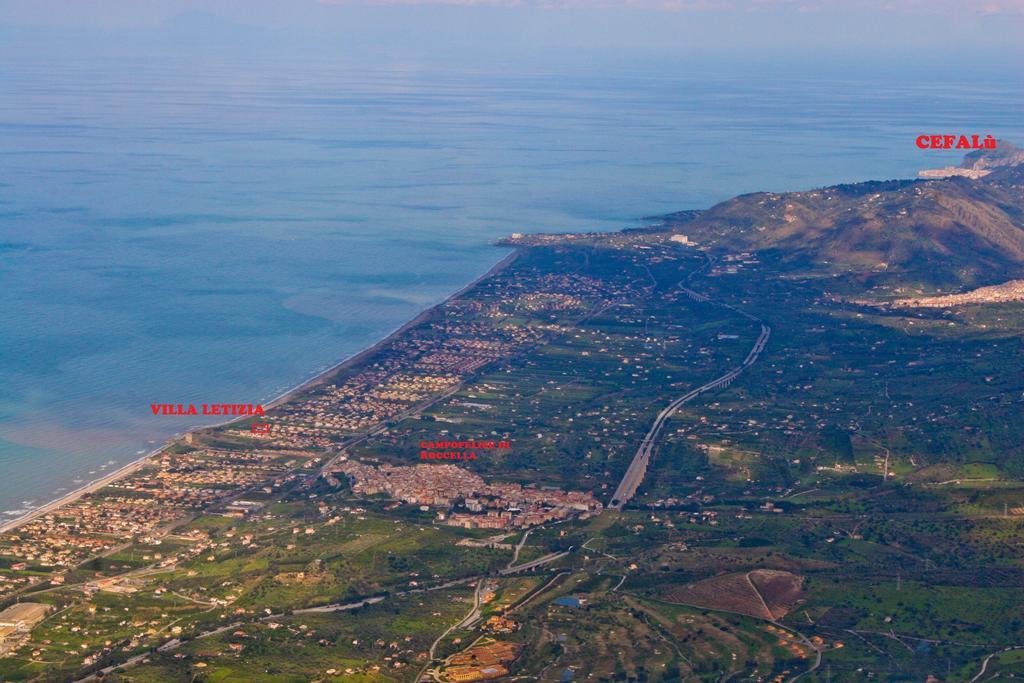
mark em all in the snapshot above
pixel 376 346
pixel 319 378
pixel 90 487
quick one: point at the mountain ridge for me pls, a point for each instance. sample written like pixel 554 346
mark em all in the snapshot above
pixel 944 232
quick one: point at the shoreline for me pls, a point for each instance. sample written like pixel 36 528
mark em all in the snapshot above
pixel 347 362
pixel 373 348
pixel 89 487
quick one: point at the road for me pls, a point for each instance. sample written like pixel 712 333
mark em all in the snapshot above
pixel 175 643
pixel 540 561
pixel 814 648
pixel 473 615
pixel 634 475
pixel 984 664
pixel 519 547
pixel 170 645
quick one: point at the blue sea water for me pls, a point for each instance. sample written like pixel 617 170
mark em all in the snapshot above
pixel 177 232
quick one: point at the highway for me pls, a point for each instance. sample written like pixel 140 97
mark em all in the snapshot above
pixel 540 561
pixel 634 475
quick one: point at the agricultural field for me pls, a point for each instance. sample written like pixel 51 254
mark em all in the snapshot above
pixel 762 593
pixel 574 407
pixel 849 507
pixel 298 554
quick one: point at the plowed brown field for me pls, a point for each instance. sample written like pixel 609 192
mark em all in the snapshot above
pixel 763 593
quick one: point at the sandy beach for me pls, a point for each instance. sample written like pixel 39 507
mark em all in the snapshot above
pixel 330 372
pixel 370 350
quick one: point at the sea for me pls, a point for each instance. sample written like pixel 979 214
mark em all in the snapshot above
pixel 181 232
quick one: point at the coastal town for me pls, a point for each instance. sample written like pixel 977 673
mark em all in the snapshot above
pixel 487 506
pixel 448 341
pixel 430 360
pixel 440 507
pixel 406 372
pixel 171 487
pixel 140 522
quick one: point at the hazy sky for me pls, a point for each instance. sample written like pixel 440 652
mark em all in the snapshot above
pixel 138 13
pixel 944 33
